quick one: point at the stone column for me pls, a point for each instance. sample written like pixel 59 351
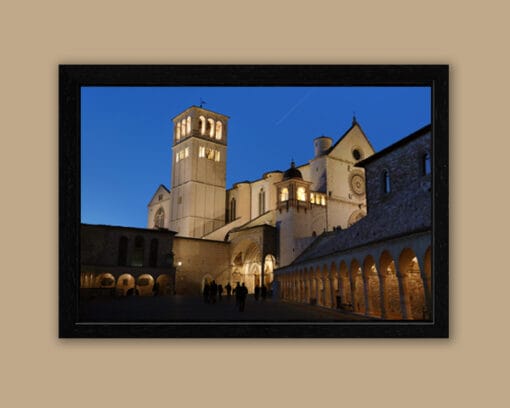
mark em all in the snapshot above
pixel 405 307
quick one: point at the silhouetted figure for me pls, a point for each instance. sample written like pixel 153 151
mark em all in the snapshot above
pixel 242 300
pixel 220 291
pixel 212 291
pixel 257 292
pixel 229 289
pixel 207 289
pixel 237 293
pixel 263 292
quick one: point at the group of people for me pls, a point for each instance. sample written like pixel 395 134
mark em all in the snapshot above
pixel 211 290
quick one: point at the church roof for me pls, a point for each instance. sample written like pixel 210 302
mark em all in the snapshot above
pixel 354 124
pixel 292 172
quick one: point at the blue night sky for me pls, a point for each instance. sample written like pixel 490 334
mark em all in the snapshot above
pixel 126 134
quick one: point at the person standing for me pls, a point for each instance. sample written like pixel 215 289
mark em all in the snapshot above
pixel 229 289
pixel 220 291
pixel 213 290
pixel 244 294
pixel 237 293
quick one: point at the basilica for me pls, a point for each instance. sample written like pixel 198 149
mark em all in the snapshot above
pixel 349 229
pixel 256 225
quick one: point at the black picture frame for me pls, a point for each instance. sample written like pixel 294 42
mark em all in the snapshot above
pixel 73 77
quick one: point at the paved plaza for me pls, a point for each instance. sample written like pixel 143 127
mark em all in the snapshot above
pixel 194 309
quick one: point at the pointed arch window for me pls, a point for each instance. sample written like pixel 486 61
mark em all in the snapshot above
pixel 386 182
pixel 426 164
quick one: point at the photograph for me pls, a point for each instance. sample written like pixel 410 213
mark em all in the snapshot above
pixel 253 201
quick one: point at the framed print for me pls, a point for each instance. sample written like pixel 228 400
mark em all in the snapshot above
pixel 253 200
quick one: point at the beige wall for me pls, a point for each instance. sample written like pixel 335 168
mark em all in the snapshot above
pixel 197 258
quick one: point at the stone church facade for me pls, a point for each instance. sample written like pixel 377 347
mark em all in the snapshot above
pixel 244 233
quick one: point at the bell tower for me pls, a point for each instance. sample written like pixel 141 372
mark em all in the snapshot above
pixel 199 154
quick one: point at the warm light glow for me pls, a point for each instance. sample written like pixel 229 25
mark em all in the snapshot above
pixel 301 194
pixel 188 125
pixel 312 198
pixel 323 200
pixel 179 263
pixel 202 125
pixel 186 152
pixel 219 130
pixel 284 194
pixel 183 127
pixel 201 151
pixel 211 127
pixel 216 155
pixel 178 132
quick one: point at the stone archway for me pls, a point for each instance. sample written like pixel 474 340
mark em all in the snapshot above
pixel 390 288
pixel 125 282
pixel 414 291
pixel 345 286
pixel 105 280
pixel 144 284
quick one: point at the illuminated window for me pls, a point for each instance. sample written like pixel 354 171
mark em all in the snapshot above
pixel 216 155
pixel 323 200
pixel 183 127
pixel 201 151
pixel 210 127
pixel 427 168
pixel 284 194
pixel 188 125
pixel 219 130
pixel 312 198
pixel 186 152
pixel 177 157
pixel 301 194
pixel 178 132
pixel 201 120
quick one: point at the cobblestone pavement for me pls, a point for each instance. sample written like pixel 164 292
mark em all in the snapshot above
pixel 194 309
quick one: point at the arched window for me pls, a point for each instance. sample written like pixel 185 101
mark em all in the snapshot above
pixel 301 194
pixel 188 125
pixel 219 130
pixel 427 165
pixel 201 121
pixel 178 131
pixel 159 218
pixel 312 198
pixel 210 127
pixel 137 259
pixel 232 209
pixel 386 182
pixel 284 194
pixel 123 244
pixel 262 201
pixel 153 256
pixel 183 127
